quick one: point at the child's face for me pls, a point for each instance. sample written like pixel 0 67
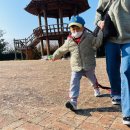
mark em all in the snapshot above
pixel 75 29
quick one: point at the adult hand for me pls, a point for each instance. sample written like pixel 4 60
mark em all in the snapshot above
pixel 52 59
pixel 101 24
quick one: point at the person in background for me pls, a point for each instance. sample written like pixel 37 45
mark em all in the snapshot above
pixel 117 50
pixel 82 45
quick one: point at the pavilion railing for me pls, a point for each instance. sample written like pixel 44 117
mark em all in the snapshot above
pixel 53 29
pixel 24 43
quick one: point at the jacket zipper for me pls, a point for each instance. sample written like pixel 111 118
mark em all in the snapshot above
pixel 80 55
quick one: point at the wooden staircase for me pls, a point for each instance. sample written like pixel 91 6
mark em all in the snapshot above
pixel 27 46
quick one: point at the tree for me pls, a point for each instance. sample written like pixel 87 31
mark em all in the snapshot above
pixel 3 44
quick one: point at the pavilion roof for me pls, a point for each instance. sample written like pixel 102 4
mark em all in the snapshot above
pixel 36 7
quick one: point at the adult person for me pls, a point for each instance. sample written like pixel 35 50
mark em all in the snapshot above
pixel 117 50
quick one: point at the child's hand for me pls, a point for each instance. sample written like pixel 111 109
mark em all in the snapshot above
pixel 101 24
pixel 53 59
pixel 50 57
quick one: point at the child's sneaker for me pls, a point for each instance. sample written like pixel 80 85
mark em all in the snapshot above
pixel 71 105
pixel 96 92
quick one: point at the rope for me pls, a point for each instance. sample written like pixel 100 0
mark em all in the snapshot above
pixel 104 87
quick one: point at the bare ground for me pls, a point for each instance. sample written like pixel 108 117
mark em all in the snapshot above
pixel 35 91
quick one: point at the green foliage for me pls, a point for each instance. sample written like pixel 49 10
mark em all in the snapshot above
pixel 3 44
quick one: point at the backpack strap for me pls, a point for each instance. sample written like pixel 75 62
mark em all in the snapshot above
pixel 88 30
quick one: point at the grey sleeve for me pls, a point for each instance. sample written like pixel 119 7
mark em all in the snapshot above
pixel 98 15
pixel 102 5
pixel 97 41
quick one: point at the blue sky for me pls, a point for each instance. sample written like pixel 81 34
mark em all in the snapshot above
pixel 19 24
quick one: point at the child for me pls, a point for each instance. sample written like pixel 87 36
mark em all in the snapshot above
pixel 82 45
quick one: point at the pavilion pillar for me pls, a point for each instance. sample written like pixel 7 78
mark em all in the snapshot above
pixel 15 51
pixel 47 37
pixel 61 25
pixel 75 10
pixel 58 24
pixel 59 39
pixel 26 49
pixel 41 41
pixel 21 55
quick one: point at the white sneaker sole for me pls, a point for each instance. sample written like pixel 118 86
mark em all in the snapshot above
pixel 126 122
pixel 96 94
pixel 116 103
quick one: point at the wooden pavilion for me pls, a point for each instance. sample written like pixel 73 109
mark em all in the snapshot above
pixel 57 9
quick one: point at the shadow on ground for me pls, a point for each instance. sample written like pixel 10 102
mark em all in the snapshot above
pixel 87 112
pixel 105 95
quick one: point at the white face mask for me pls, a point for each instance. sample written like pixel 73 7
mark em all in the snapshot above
pixel 76 34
